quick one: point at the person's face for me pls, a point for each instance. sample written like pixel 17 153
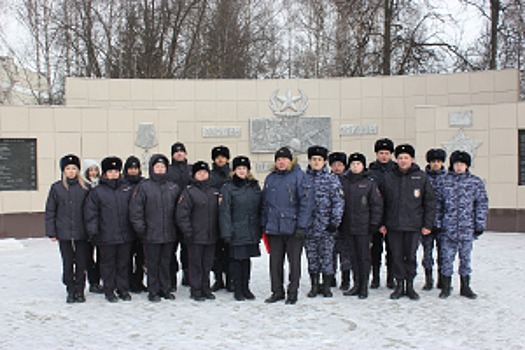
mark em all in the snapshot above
pixel 220 161
pixel 71 171
pixel 159 168
pixel 202 175
pixel 404 161
pixel 317 162
pixel 179 156
pixel 436 165
pixel 337 167
pixel 460 168
pixel 241 171
pixel 93 172
pixel 383 156
pixel 133 171
pixel 112 174
pixel 282 163
pixel 356 167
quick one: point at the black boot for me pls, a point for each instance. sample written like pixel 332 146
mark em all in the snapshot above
pixel 429 281
pixel 390 284
pixel 465 288
pixel 410 292
pixel 327 284
pixel 355 288
pixel 439 284
pixel 363 291
pixel 345 280
pixel 246 267
pixel 375 277
pixel 235 270
pixel 314 278
pixel 399 290
pixel 445 287
pixel 70 297
pixel 219 283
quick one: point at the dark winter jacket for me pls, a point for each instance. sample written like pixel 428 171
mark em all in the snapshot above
pixel 239 211
pixel 436 180
pixel 152 209
pixel 409 200
pixel 64 211
pixel 219 175
pixel 106 213
pixel 180 173
pixel 378 170
pixel 288 201
pixel 197 213
pixel 363 205
pixel 462 205
pixel 329 202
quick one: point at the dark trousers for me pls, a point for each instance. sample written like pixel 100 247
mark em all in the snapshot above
pixel 93 264
pixel 404 246
pixel 377 250
pixel 136 266
pixel 427 241
pixel 359 246
pixel 74 262
pixel 200 258
pixel 221 262
pixel 174 264
pixel 292 247
pixel 114 267
pixel 158 256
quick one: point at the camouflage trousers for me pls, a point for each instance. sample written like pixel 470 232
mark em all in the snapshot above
pixel 449 249
pixel 342 250
pixel 428 242
pixel 319 253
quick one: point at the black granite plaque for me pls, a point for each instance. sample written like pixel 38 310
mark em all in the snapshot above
pixel 521 152
pixel 18 165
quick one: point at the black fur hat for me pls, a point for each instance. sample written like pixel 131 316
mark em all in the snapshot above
pixel 220 151
pixel 68 160
pixel 111 163
pixel 357 157
pixel 200 165
pixel 460 156
pixel 384 145
pixel 337 156
pixel 317 151
pixel 177 146
pixel 241 161
pixel 405 148
pixel 436 154
pixel 131 162
pixel 283 152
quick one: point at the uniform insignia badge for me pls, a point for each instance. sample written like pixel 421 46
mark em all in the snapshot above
pixel 417 193
pixel 364 201
pixel 181 198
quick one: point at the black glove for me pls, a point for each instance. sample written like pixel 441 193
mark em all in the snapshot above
pixel 227 240
pixel 478 233
pixel 437 230
pixel 331 228
pixel 299 232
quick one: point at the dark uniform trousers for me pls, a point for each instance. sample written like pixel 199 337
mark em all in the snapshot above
pixel 74 263
pixel 403 246
pixel 158 256
pixel 292 247
pixel 200 260
pixel 377 250
pixel 114 267
pixel 359 250
pixel 93 265
pixel 136 266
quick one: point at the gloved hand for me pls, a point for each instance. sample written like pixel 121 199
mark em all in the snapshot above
pixel 227 240
pixel 331 228
pixel 299 232
pixel 437 230
pixel 478 233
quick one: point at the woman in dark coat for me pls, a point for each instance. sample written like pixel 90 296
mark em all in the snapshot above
pixel 240 224
pixel 108 226
pixel 197 213
pixel 65 224
pixel 152 214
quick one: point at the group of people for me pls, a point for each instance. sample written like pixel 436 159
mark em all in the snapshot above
pixel 339 210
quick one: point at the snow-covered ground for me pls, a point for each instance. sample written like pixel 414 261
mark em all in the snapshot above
pixel 34 314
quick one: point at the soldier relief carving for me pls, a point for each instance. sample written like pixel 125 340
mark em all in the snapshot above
pixel 267 135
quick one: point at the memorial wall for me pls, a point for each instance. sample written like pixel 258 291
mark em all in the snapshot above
pixel 478 112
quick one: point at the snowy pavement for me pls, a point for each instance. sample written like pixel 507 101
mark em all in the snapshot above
pixel 34 314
